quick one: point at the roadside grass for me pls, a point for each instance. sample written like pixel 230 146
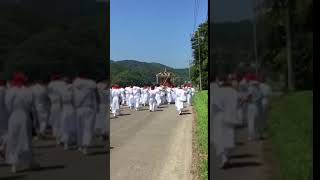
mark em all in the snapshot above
pixel 201 133
pixel 291 131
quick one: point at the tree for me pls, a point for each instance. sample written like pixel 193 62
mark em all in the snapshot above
pixel 200 55
pixel 287 40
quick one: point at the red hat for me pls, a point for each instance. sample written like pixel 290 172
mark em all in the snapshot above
pixel 251 77
pixel 55 77
pixel 2 82
pixel 115 86
pixel 19 79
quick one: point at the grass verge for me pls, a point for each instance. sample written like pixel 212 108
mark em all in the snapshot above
pixel 201 134
pixel 291 132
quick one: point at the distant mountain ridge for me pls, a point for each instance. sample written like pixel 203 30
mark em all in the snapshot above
pixel 134 72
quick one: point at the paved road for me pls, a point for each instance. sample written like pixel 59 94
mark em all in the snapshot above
pixel 151 145
pixel 59 164
pixel 249 160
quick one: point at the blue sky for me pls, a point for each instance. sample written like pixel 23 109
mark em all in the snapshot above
pixel 154 30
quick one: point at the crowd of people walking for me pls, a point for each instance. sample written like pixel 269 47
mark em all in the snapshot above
pixel 153 96
pixel 237 102
pixel 73 111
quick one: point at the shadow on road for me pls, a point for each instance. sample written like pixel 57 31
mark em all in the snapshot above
pixel 240 144
pixel 4 165
pixel 99 153
pixel 45 146
pixel 124 115
pixel 13 177
pixel 242 156
pixel 243 165
pixel 45 168
pixel 186 113
pixel 97 147
pixel 161 107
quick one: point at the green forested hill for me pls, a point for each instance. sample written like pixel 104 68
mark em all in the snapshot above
pixel 37 44
pixel 139 73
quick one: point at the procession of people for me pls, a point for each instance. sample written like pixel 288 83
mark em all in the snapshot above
pixel 71 110
pixel 237 102
pixel 153 96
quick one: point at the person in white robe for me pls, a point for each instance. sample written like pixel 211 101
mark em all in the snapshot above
pixel 163 95
pixel 41 105
pixel 115 105
pixel 56 106
pixel 152 99
pixel 110 98
pixel 102 125
pixel 68 115
pixel 180 99
pixel 173 94
pixel 3 118
pixel 243 105
pixel 254 104
pixel 158 96
pixel 189 96
pixel 265 106
pixel 18 101
pixel 85 101
pixel 169 95
pixel 224 104
pixel 146 96
pixel 3 110
pixel 136 95
pixel 123 96
pixel 131 100
pixel 141 96
pixel 127 95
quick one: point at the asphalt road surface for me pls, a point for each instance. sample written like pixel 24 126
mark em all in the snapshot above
pixel 151 145
pixel 59 164
pixel 250 160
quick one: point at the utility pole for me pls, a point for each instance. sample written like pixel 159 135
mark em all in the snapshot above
pixel 190 70
pixel 291 85
pixel 200 78
pixel 254 23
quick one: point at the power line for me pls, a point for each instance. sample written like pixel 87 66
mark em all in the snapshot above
pixel 195 13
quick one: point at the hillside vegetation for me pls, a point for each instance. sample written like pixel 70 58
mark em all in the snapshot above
pixel 132 72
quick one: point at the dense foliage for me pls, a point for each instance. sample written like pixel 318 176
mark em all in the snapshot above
pixel 39 43
pixel 272 37
pixel 232 42
pixel 199 42
pixel 131 72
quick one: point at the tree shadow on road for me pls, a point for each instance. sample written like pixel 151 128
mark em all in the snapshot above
pixel 242 156
pixel 97 153
pixel 162 107
pixel 185 113
pixel 45 146
pixel 240 144
pixel 4 165
pixel 243 165
pixel 45 168
pixel 124 114
pixel 13 177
